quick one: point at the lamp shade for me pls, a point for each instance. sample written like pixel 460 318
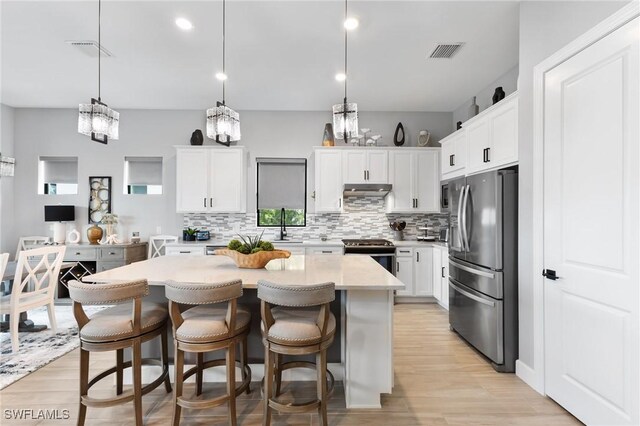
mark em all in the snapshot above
pixel 224 122
pixel 98 120
pixel 345 120
pixel 59 213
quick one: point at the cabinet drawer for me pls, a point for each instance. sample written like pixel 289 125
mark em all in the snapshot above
pixel 74 254
pixel 184 251
pixel 105 266
pixel 327 250
pixel 404 252
pixel 112 253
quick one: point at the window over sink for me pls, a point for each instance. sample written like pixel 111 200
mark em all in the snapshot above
pixel 281 192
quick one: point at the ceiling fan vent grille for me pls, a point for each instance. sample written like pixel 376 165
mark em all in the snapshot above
pixel 445 50
pixel 89 48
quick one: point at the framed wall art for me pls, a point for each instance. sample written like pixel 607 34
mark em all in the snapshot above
pixel 99 197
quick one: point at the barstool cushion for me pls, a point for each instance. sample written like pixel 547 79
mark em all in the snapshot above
pixel 206 323
pixel 298 326
pixel 115 324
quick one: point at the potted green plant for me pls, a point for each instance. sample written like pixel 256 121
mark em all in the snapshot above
pixel 189 234
pixel 252 252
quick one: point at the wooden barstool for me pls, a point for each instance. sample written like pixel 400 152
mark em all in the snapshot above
pixel 301 323
pixel 208 325
pixel 118 328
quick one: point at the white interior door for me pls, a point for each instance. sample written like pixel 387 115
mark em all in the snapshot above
pixel 591 232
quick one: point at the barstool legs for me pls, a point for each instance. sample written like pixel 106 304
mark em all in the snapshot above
pixel 321 386
pixel 165 360
pixel 231 382
pixel 200 367
pixel 268 385
pixel 137 380
pixel 178 362
pixel 84 384
pixel 119 370
pixel 244 359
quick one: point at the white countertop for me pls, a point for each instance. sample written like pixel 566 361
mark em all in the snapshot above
pixel 355 272
pixel 417 243
pixel 223 243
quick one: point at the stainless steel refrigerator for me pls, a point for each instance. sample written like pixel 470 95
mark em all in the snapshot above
pixel 483 262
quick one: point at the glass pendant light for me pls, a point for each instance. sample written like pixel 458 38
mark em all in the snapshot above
pixel 97 119
pixel 223 123
pixel 345 115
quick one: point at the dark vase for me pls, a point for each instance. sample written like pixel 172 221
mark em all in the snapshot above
pixel 498 95
pixel 196 137
pixel 397 139
pixel 187 237
pixel 459 125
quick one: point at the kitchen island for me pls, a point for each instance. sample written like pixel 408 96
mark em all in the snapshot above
pixel 364 292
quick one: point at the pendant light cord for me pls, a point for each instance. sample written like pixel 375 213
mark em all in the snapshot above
pixel 345 52
pixel 224 33
pixel 99 44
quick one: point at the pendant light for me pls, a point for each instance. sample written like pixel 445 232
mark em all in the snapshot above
pixel 97 119
pixel 345 115
pixel 223 123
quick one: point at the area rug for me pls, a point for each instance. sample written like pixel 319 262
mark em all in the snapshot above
pixel 39 349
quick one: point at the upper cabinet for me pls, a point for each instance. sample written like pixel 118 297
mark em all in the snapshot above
pixel 414 175
pixel 365 165
pixel 328 180
pixel 210 180
pixel 488 141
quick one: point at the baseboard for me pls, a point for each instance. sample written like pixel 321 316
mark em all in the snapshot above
pixel 217 375
pixel 414 299
pixel 528 375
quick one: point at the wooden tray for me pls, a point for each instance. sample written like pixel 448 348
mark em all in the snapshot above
pixel 253 261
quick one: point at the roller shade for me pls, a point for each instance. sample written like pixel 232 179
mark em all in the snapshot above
pixel 282 183
pixel 144 170
pixel 60 169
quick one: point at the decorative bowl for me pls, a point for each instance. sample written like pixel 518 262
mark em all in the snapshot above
pixel 253 261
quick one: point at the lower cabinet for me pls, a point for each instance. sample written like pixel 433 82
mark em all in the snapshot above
pixel 423 276
pixel 404 271
pixel 177 250
pixel 424 271
pixel 440 275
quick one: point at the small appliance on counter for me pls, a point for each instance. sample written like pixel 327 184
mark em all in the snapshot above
pixel 203 236
pixel 423 234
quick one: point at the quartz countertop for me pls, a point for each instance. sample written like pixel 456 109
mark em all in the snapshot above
pixel 417 243
pixel 293 243
pixel 355 272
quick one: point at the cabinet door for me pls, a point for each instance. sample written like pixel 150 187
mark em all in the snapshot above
pixel 328 181
pixel 444 277
pixel 404 272
pixel 447 152
pixel 503 123
pixel 427 184
pixel 423 271
pixel 191 180
pixel 402 177
pixel 354 165
pixel 227 181
pixel 377 167
pixel 436 271
pixel 477 141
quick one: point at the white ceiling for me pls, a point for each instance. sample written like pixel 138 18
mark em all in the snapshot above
pixel 281 55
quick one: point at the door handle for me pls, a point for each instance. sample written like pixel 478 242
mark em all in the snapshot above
pixel 364 174
pixel 204 201
pixel 550 274
pixel 416 203
pixel 470 295
pixel 340 202
pixel 471 270
pixel 442 273
pixel 464 218
pixel 397 266
pixel 460 218
pixel 417 256
pixel 211 202
pixel 485 155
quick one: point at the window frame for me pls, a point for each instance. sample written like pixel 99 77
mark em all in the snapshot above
pixel 306 179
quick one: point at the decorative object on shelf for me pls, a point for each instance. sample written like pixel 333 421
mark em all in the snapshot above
pixel 398 229
pixel 345 115
pixel 423 138
pixel 97 119
pixel 474 109
pixel 111 221
pixel 373 140
pixel 459 125
pixel 252 252
pixel 74 236
pixel 135 237
pixel 498 95
pixel 99 197
pixel 423 234
pixel 222 121
pixel 94 234
pixel 60 215
pixel 327 138
pixel 397 140
pixel 189 234
pixel 196 137
pixel 7 166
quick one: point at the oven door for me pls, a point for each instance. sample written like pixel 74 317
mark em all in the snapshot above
pixel 388 261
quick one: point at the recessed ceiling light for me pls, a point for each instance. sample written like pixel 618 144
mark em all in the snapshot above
pixel 184 24
pixel 351 23
pixel 341 76
pixel 221 76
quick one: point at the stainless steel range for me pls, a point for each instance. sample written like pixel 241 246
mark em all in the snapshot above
pixel 382 251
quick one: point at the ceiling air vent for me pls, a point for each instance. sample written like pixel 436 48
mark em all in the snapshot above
pixel 89 47
pixel 445 50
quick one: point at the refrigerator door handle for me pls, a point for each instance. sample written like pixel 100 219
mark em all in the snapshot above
pixel 463 227
pixel 469 295
pixel 471 270
pixel 460 218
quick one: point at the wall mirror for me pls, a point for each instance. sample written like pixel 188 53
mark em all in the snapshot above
pixel 143 175
pixel 58 175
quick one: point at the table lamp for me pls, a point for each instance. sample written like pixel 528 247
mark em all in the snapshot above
pixel 59 214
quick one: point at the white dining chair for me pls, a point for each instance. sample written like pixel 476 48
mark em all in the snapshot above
pixel 34 285
pixel 157 244
pixel 25 243
pixel 4 258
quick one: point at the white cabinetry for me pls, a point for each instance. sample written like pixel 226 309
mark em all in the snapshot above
pixel 423 275
pixel 415 179
pixel 365 165
pixel 328 180
pixel 210 179
pixel 325 250
pixel 441 276
pixel 454 155
pixel 184 251
pixel 404 271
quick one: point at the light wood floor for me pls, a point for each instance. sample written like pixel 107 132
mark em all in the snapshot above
pixel 439 380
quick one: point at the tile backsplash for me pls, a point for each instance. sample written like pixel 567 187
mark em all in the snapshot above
pixel 363 217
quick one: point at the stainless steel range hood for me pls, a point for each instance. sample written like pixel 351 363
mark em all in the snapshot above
pixel 366 189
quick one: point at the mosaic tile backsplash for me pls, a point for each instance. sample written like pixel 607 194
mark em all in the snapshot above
pixel 363 217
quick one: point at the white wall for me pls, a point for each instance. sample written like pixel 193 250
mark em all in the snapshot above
pixel 484 98
pixel 52 132
pixel 7 184
pixel 545 27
